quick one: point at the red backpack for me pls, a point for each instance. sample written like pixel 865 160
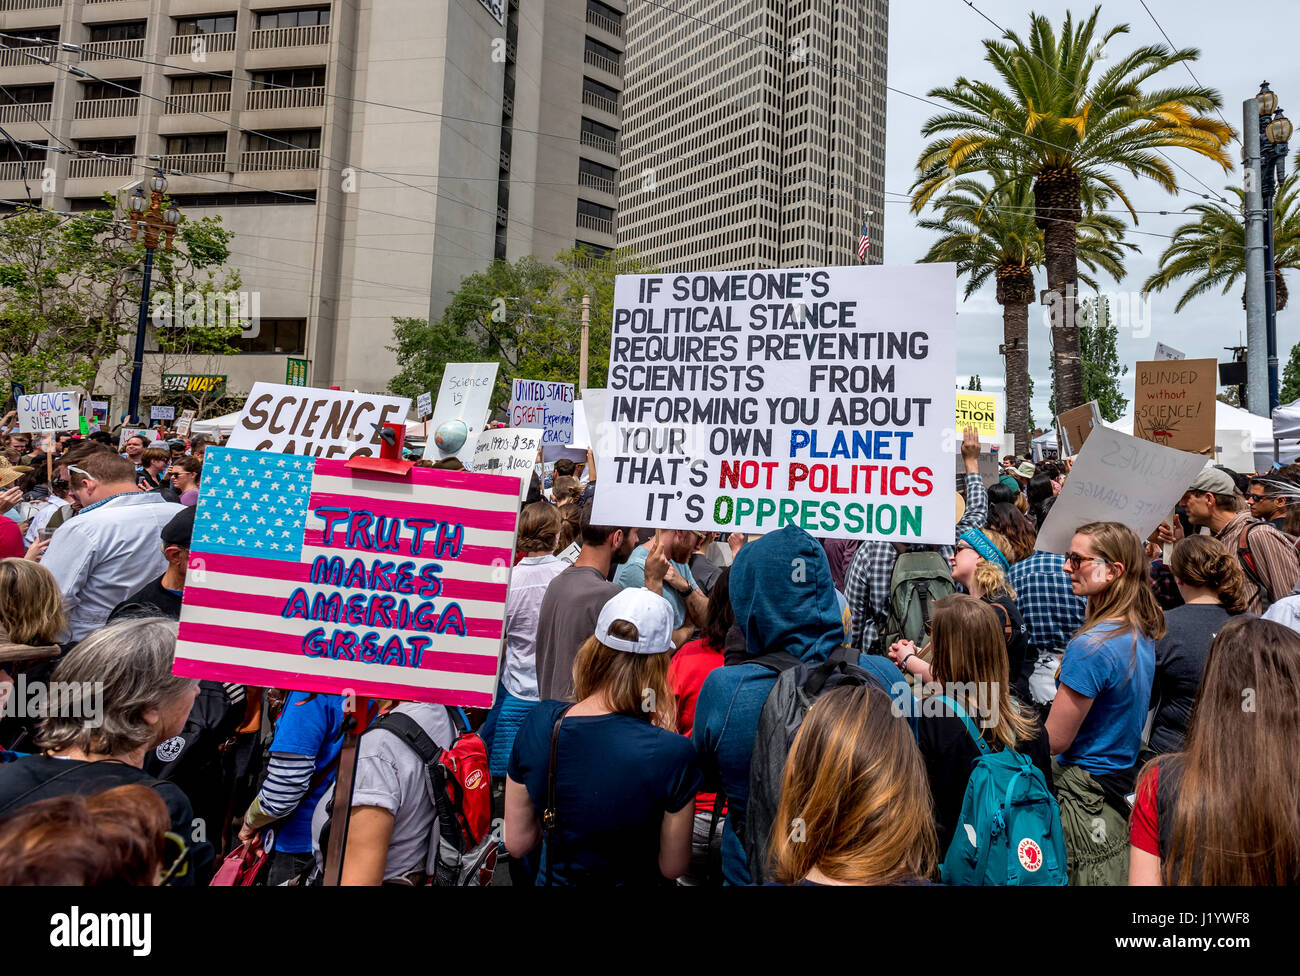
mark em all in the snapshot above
pixel 461 785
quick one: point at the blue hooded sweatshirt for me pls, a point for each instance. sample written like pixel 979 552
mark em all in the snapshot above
pixel 784 600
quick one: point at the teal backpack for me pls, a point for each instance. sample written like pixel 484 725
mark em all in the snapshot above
pixel 1010 827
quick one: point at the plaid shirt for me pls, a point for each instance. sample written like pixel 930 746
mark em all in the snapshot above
pixel 867 584
pixel 1045 599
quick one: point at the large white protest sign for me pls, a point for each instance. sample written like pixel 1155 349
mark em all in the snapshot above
pixel 599 431
pixel 41 412
pixel 504 451
pixel 465 394
pixel 1118 478
pixel 308 421
pixel 816 397
pixel 539 403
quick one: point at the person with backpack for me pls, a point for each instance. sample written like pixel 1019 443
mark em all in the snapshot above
pixel 606 785
pixel 879 590
pixel 855 807
pixel 393 830
pixel 1225 810
pixel 1104 688
pixel 301 767
pixel 979 741
pixel 1213 588
pixel 786 607
pixel 1267 556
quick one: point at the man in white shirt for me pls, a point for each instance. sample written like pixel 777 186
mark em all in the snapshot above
pixel 110 548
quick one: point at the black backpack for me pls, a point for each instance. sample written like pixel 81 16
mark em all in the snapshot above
pixel 797 686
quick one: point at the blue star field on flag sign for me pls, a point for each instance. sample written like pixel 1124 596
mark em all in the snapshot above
pixel 253 503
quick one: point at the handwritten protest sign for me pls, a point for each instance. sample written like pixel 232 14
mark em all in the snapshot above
pixel 1168 352
pixel 424 406
pixel 466 395
pixel 304 576
pixel 40 412
pixel 817 397
pixel 184 425
pixel 1173 403
pixel 309 421
pixel 1075 425
pixel 512 453
pixel 983 411
pixel 162 413
pixel 1118 478
pixel 536 403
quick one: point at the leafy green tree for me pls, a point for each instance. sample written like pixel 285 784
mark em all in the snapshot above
pixel 525 315
pixel 974 383
pixel 70 291
pixel 1071 111
pixel 1290 389
pixel 1101 363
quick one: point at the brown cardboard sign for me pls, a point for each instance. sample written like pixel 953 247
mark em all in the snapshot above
pixel 1076 425
pixel 1174 405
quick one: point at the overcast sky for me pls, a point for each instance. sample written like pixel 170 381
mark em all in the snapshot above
pixel 931 43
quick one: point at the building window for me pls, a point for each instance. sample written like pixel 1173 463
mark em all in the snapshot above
pixel 219 24
pixel 108 147
pixel 213 142
pixel 596 88
pixel 602 174
pixel 118 32
pixel 33 38
pixel 596 250
pixel 93 91
pixel 604 50
pixel 596 7
pixel 10 153
pixel 31 94
pixel 285 139
pixel 293 18
pixel 595 210
pixel 290 78
pixel 596 129
pixel 199 84
pixel 284 336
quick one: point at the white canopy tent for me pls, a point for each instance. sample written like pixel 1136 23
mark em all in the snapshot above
pixel 1229 424
pixel 216 426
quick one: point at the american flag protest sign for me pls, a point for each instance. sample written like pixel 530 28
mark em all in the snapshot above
pixel 306 575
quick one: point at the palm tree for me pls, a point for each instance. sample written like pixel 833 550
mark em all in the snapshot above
pixel 1211 250
pixel 1068 121
pixel 991 232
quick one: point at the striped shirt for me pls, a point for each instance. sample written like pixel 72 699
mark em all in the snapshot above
pixel 1274 555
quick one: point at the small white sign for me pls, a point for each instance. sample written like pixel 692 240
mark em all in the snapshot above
pixel 424 405
pixel 510 452
pixel 1168 352
pixel 544 404
pixel 465 394
pixel 162 413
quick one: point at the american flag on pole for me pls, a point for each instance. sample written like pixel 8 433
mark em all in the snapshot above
pixel 304 575
pixel 864 243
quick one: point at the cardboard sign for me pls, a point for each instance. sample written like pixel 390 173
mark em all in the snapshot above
pixel 1118 478
pixel 126 433
pixel 424 406
pixel 1164 352
pixel 507 452
pixel 984 411
pixel 1075 425
pixel 162 413
pixel 1173 404
pixel 539 403
pixel 465 394
pixel 303 575
pixel 320 423
pixel 185 424
pixel 40 412
pixel 751 400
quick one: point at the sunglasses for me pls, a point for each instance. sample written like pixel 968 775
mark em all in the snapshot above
pixel 1074 560
pixel 81 471
pixel 1254 496
pixel 174 851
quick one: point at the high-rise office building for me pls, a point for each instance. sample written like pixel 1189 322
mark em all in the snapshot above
pixel 754 133
pixel 366 156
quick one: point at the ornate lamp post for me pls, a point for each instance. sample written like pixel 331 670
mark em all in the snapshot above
pixel 157 223
pixel 1274 134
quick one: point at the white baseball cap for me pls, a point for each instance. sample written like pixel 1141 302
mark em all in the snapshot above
pixel 650 613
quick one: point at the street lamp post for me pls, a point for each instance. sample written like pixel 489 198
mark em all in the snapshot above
pixel 1274 134
pixel 157 223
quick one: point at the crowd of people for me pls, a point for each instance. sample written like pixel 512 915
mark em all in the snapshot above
pixel 683 707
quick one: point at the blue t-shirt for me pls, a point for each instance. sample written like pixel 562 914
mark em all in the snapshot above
pixel 1120 689
pixel 616 778
pixel 632 573
pixel 310 725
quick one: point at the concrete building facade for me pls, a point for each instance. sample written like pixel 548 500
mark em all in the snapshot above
pixel 754 134
pixel 366 155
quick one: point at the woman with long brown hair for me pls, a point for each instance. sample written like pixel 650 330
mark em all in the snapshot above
pixel 1213 588
pixel 1226 809
pixel 1103 689
pixel 969 665
pixel 1008 520
pixel 855 808
pixel 607 784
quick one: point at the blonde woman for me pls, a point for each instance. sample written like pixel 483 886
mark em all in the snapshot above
pixel 970 665
pixel 980 562
pixel 31 617
pixel 606 785
pixel 1104 688
pixel 855 808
